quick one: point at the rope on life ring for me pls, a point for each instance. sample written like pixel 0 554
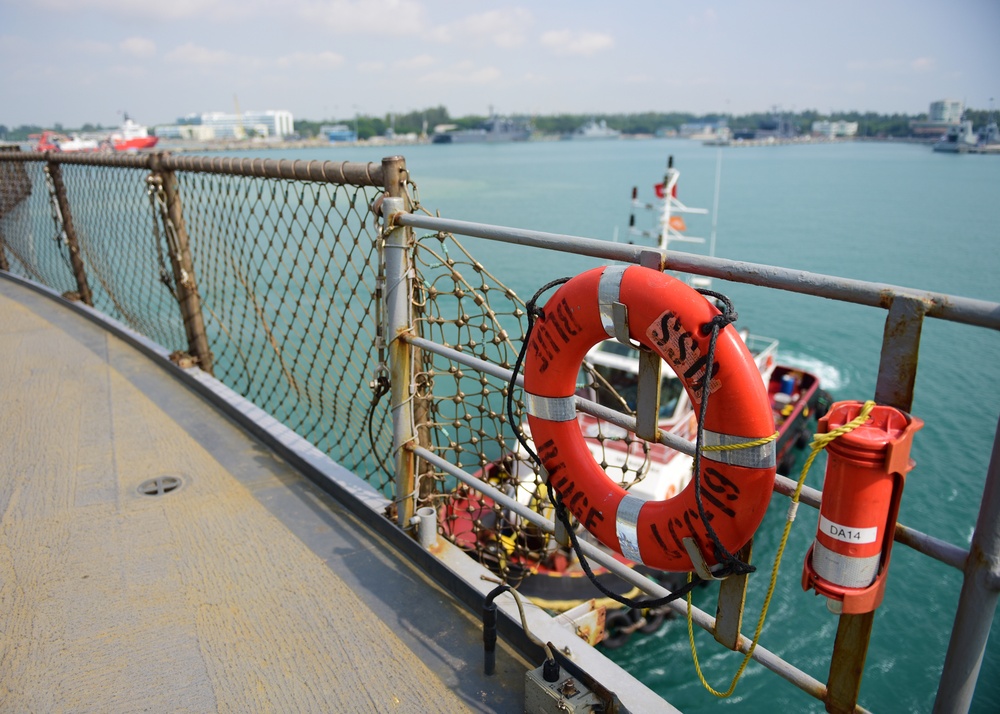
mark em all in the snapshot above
pixel 737 464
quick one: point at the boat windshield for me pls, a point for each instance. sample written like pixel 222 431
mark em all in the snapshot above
pixel 624 382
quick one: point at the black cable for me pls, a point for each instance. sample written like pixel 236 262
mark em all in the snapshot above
pixel 727 315
pixel 381 387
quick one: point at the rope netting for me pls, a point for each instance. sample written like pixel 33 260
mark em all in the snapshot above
pixel 288 273
pixel 33 241
pixel 459 303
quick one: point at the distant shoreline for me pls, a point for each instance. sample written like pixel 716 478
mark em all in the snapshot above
pixel 224 145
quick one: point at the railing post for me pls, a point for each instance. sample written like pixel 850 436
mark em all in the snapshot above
pixel 4 265
pixel 69 230
pixel 183 267
pixel 977 602
pixel 897 373
pixel 399 321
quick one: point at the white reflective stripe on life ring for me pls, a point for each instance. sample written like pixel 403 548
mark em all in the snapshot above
pixel 761 456
pixel 608 293
pixel 551 408
pixel 627 526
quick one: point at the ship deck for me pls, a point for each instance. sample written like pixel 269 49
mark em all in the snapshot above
pixel 245 589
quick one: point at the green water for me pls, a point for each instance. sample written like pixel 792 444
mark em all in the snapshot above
pixel 897 214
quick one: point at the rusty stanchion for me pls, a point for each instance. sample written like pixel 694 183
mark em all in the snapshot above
pixel 69 231
pixel 183 267
pixel 4 265
pixel 397 244
pixel 896 377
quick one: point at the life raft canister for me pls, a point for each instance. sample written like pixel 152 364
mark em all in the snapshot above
pixel 865 473
pixel 666 316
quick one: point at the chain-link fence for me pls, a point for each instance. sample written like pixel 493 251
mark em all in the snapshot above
pixel 282 257
pixel 285 264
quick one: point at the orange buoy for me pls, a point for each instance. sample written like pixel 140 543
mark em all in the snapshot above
pixel 664 315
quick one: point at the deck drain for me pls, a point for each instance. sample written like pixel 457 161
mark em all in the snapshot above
pixel 159 485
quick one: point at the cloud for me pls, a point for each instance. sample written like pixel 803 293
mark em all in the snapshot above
pixel 91 47
pixel 463 73
pixel 311 60
pixel 377 17
pixel 371 66
pixel 706 18
pixel 193 54
pixel 413 63
pixel 505 28
pixel 128 72
pixel 138 47
pixel 923 64
pixel 173 10
pixel 569 43
pixel 882 65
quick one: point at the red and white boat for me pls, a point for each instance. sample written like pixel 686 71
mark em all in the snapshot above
pixel 54 141
pixel 130 136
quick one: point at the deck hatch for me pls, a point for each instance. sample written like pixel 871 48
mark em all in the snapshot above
pixel 160 485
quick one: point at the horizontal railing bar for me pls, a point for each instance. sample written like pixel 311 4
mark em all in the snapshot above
pixel 761 654
pixel 338 172
pixel 585 405
pixel 335 172
pixel 939 305
pixel 921 542
pixel 113 160
pixel 932 547
pixel 786 486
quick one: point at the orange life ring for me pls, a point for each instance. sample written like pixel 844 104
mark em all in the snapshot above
pixel 665 315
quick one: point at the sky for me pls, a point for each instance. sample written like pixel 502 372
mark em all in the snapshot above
pixel 88 61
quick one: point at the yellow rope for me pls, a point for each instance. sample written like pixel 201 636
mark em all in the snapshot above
pixel 819 442
pixel 744 445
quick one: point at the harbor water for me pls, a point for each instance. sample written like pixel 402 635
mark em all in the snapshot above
pixel 892 213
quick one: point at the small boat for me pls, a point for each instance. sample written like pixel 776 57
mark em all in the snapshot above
pixel 54 141
pixel 989 135
pixel 958 140
pixel 594 130
pixel 130 136
pixel 549 573
pixel 494 130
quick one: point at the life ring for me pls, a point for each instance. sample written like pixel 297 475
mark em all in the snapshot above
pixel 664 315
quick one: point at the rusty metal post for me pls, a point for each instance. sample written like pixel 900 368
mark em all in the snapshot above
pixel 399 320
pixel 897 375
pixel 4 265
pixel 732 600
pixel 183 267
pixel 69 230
pixel 978 602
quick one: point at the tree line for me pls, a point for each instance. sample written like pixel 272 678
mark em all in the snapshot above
pixel 870 124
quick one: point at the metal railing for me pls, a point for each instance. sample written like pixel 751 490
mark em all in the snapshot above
pixel 906 309
pixel 304 287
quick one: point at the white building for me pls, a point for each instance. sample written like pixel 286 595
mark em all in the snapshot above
pixel 834 129
pixel 220 125
pixel 946 111
pixel 278 122
pixel 941 116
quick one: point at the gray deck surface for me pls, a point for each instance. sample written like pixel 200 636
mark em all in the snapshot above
pixel 247 589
